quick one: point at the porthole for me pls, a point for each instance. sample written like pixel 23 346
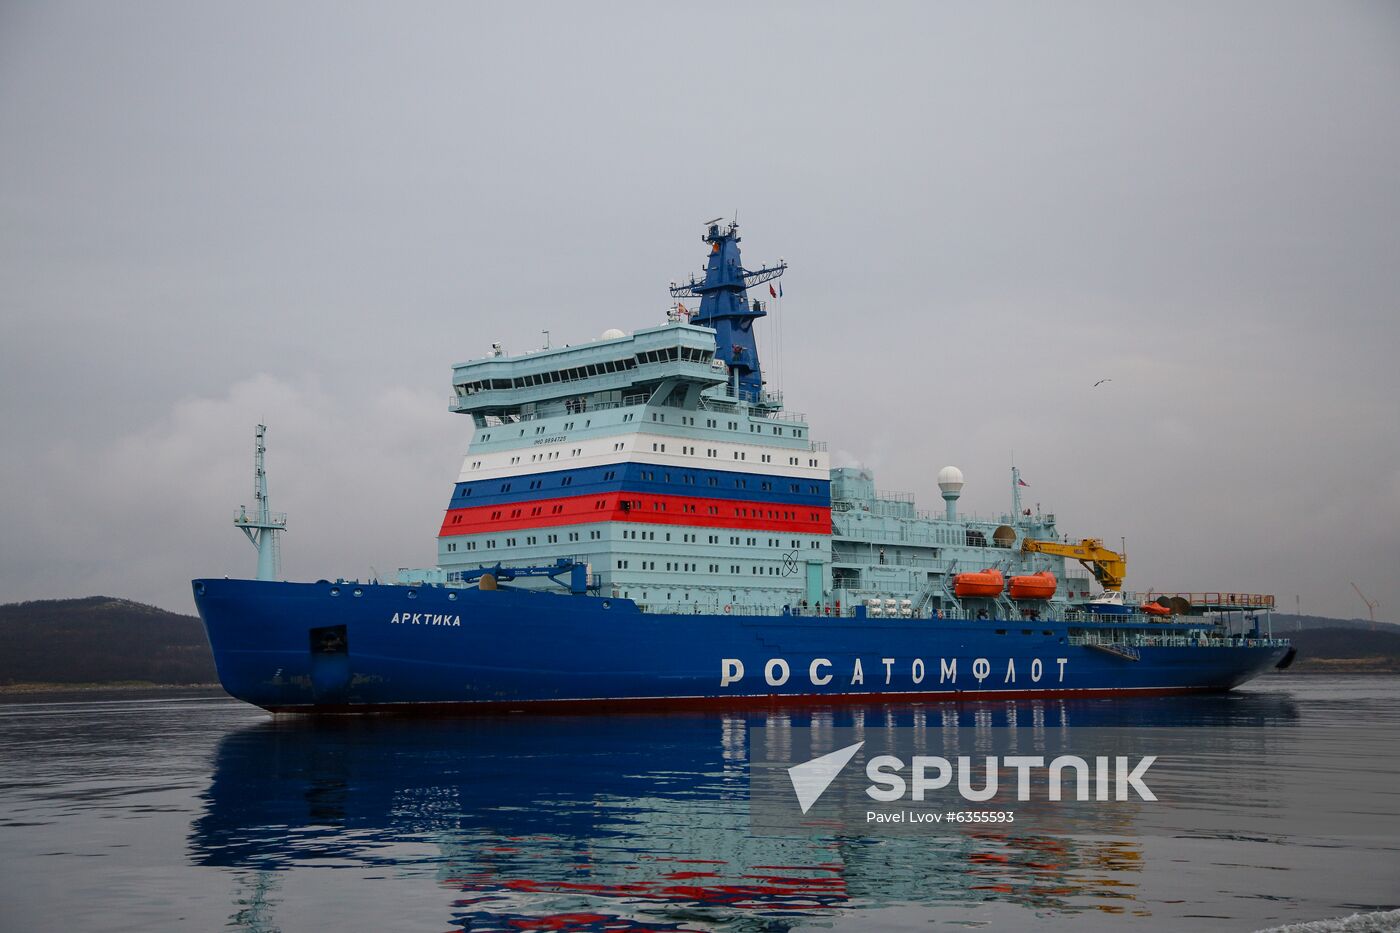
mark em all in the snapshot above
pixel 412 594
pixel 335 591
pixel 606 604
pixel 357 592
pixel 452 596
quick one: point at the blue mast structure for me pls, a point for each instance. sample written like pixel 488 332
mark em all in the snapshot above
pixel 263 527
pixel 725 306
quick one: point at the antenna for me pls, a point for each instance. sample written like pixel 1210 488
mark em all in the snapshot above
pixel 1371 606
pixel 263 527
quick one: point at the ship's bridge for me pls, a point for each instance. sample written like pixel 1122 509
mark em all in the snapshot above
pixel 647 366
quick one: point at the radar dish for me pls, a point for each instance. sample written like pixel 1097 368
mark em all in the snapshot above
pixel 612 333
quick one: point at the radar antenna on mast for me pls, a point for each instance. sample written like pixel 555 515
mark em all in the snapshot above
pixel 725 307
pixel 263 527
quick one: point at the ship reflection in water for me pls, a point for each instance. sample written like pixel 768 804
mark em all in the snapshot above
pixel 639 822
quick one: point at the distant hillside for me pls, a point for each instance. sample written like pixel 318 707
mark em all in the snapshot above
pixel 101 640
pixel 1285 622
pixel 1355 649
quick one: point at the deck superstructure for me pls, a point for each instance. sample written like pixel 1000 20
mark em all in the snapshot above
pixel 655 457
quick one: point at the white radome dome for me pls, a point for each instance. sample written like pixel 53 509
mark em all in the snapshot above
pixel 950 479
pixel 612 333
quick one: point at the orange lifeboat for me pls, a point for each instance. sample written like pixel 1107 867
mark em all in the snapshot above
pixel 1155 608
pixel 982 583
pixel 1035 586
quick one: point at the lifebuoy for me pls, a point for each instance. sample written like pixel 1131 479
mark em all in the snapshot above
pixel 728 608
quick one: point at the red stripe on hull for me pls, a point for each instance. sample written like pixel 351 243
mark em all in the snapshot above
pixel 813 701
pixel 645 509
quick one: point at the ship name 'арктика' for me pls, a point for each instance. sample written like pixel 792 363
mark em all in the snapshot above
pixel 640 523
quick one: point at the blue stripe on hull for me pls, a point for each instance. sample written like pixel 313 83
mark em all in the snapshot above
pixel 276 646
pixel 643 478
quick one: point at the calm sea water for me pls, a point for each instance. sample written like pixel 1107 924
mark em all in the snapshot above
pixel 195 812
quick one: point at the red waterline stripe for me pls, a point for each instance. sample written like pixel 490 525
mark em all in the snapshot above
pixel 645 508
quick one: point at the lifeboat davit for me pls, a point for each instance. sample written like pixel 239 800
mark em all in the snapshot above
pixel 1034 586
pixel 1155 608
pixel 982 583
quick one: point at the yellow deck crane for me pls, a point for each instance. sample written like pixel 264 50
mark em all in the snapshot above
pixel 1108 567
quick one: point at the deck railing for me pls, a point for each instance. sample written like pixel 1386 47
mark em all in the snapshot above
pixel 1210 600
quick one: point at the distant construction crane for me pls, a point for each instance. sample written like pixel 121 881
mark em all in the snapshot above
pixel 1371 606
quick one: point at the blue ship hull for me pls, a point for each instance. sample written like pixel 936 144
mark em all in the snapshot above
pixel 347 647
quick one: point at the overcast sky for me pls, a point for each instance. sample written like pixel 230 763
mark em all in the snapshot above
pixel 305 213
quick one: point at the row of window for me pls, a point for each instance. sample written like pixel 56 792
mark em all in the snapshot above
pixel 636 534
pixel 757 570
pixel 559 375
pixel 580 404
pixel 628 505
pixel 490 543
pixel 588 371
pixel 656 447
pixel 649 476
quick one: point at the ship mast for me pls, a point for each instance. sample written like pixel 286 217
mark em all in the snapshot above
pixel 1015 495
pixel 263 527
pixel 724 306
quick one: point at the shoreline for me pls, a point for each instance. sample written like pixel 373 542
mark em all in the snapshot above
pixel 28 689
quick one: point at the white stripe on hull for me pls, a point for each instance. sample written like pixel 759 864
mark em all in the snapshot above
pixel 637 448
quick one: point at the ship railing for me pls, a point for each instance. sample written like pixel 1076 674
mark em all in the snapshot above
pixel 717 609
pixel 764 398
pixel 772 414
pixel 877 536
pixel 1164 640
pixel 715 404
pixel 579 406
pixel 1222 600
pixel 245 517
pixel 867 559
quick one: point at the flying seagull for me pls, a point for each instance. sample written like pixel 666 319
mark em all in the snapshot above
pixel 1101 382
